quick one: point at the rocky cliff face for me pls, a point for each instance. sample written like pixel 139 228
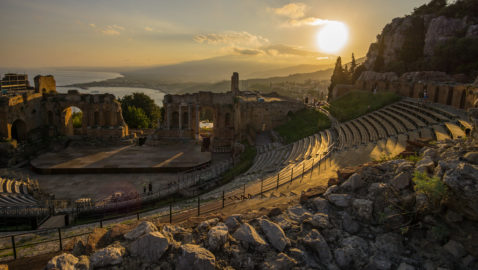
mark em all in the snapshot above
pixel 421 41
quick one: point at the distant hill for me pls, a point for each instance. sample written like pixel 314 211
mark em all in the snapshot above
pixel 217 69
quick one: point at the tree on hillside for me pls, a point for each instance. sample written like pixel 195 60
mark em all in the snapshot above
pixel 433 7
pixel 338 76
pixel 353 64
pixel 147 106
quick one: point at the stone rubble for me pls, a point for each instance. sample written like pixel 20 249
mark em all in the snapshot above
pixel 373 219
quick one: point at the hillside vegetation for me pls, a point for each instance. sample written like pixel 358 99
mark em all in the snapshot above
pixel 357 103
pixel 302 124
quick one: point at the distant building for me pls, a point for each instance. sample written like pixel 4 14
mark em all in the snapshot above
pixel 12 82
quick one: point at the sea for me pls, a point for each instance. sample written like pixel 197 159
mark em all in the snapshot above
pixel 71 76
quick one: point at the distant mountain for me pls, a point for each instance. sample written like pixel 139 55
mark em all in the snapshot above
pixel 218 69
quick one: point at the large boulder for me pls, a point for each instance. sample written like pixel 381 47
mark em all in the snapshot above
pixel 298 213
pixel 207 224
pixel 341 200
pixel 195 257
pixel 110 255
pixel 389 243
pixel 455 248
pixel 352 253
pixel 316 241
pixel 463 184
pixel 275 235
pixel 280 262
pixel 321 205
pixel 363 208
pixel 353 183
pixel 426 164
pixel 233 222
pixel 142 229
pixel 320 220
pixel 83 263
pixel 63 261
pixel 217 236
pixel 150 247
pixel 401 181
pixel 249 236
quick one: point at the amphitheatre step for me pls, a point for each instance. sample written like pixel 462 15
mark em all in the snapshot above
pixel 388 128
pixel 373 136
pixel 380 130
pixel 427 133
pixel 405 122
pixel 398 126
pixel 417 113
pixel 424 109
pixel 440 133
pixel 417 122
pixel 455 130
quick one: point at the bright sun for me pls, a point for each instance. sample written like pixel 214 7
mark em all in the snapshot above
pixel 332 37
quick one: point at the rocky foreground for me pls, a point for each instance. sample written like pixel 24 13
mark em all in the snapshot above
pixel 376 216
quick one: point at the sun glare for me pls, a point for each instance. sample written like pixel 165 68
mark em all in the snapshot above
pixel 332 37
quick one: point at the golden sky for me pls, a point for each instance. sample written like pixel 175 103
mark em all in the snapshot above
pixel 158 32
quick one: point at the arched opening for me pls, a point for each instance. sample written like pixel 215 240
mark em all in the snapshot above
pixel 463 99
pixel 50 118
pixel 184 120
pixel 107 118
pixel 207 119
pixel 96 119
pixel 450 96
pixel 437 94
pixel 72 121
pixel 175 120
pixel 19 130
pixel 227 120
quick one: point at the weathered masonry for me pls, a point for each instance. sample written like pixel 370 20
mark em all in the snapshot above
pixel 440 88
pixel 235 114
pixel 27 112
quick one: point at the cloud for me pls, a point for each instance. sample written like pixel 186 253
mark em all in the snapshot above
pixel 292 10
pixel 92 25
pixel 112 30
pixel 297 17
pixel 148 29
pixel 306 21
pixel 247 51
pixel 232 38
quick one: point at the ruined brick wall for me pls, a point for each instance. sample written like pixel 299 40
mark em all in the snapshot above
pixel 45 84
pixel 440 87
pixel 102 116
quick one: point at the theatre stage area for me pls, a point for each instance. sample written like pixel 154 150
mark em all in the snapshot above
pixel 122 159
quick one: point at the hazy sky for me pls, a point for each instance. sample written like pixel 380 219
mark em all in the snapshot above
pixel 40 33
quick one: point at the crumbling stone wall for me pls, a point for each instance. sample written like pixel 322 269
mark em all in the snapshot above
pixel 440 87
pixel 234 114
pixel 45 84
pixel 102 116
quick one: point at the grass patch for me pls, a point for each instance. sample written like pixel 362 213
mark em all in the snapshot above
pixel 303 124
pixel 356 103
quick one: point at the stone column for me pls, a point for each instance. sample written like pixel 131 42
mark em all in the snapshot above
pixel 189 116
pixel 168 116
pixel 197 122
pixel 180 118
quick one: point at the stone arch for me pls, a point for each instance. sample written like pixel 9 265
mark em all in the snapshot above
pixel 72 121
pixel 19 130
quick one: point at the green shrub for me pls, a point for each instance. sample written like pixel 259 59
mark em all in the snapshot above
pixel 433 188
